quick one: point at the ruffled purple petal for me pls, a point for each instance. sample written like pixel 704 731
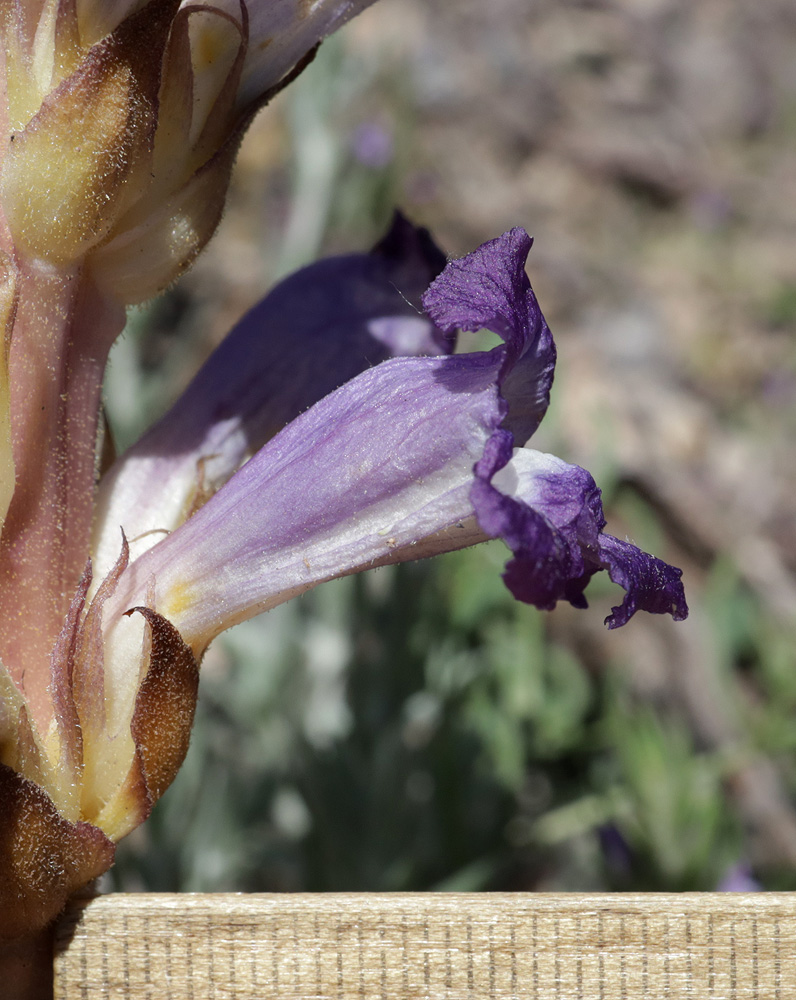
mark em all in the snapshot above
pixel 550 516
pixel 314 332
pixel 489 289
pixel 553 520
pixel 650 583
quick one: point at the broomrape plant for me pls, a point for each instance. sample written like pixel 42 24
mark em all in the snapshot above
pixel 332 431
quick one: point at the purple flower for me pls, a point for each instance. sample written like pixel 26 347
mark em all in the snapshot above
pixel 122 121
pixel 333 431
pixel 410 458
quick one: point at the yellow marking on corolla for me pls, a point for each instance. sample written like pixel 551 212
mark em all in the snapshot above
pixel 180 597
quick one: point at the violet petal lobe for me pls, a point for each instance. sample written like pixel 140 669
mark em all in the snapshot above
pixel 548 562
pixel 554 523
pixel 315 331
pixel 550 515
pixel 650 583
pixel 489 289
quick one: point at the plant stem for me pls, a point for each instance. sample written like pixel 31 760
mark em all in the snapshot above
pixel 59 345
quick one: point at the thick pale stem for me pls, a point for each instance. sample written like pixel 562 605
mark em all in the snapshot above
pixel 61 337
pixel 26 967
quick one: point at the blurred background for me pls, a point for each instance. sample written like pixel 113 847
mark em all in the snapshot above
pixel 414 728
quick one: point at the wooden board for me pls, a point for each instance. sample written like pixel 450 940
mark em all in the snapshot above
pixel 396 947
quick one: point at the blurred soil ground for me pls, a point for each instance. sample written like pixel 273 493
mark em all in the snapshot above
pixel 649 146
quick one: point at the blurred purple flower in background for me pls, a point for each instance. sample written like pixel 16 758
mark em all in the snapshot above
pixel 373 145
pixel 739 878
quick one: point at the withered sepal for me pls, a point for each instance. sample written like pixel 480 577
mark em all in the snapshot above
pixel 160 726
pixel 165 705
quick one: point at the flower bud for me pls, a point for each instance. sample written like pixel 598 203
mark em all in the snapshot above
pixel 122 150
pixel 197 132
pixel 126 119
pixel 67 172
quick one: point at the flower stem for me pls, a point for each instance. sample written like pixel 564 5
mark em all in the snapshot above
pixel 59 345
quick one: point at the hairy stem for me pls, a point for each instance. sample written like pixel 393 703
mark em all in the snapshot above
pixel 59 345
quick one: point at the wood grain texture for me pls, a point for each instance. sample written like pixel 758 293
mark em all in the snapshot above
pixel 396 947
